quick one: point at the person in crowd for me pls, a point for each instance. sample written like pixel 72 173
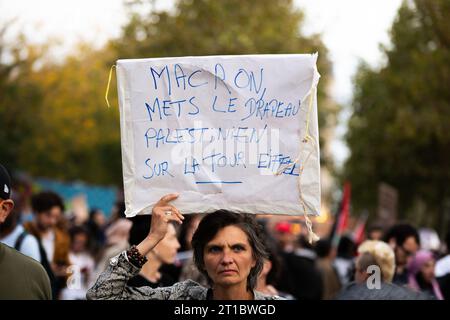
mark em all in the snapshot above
pixel 54 243
pixel 286 239
pixel 344 262
pixel 117 234
pixel 117 212
pixel 374 271
pixel 442 270
pixel 429 240
pixel 404 239
pixel 82 266
pixel 187 230
pixel 22 196
pixel 13 234
pixel 325 264
pixel 375 253
pixel 228 250
pixel 443 264
pixel 164 252
pixel 375 232
pixel 21 277
pixel 421 274
pixel 270 274
pixel 300 276
pixel 95 226
pixel 189 270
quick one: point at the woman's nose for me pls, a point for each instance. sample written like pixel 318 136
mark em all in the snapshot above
pixel 227 257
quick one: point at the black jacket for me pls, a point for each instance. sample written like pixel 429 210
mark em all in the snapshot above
pixel 300 277
pixel 388 291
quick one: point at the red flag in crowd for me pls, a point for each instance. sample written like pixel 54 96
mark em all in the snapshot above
pixel 344 215
pixel 359 232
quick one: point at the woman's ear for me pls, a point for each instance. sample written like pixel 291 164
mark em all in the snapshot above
pixel 6 207
pixel 267 266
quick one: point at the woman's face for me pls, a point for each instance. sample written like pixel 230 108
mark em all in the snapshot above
pixel 427 270
pixel 228 257
pixel 167 248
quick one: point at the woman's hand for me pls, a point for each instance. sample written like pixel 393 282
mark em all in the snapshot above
pixel 162 214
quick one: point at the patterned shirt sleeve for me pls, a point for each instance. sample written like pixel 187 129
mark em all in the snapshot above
pixel 112 283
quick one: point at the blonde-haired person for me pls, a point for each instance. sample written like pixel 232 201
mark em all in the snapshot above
pixel 383 257
pixel 374 271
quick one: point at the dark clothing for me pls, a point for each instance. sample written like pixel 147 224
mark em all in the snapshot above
pixel 444 284
pixel 300 277
pixel 388 291
pixel 140 281
pixel 427 287
pixel 173 270
pixel 21 277
pixel 97 238
pixel 400 279
pixel 330 279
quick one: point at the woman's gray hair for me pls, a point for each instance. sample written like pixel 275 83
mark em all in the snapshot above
pixel 213 222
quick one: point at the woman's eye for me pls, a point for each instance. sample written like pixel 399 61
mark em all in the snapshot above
pixel 214 249
pixel 238 249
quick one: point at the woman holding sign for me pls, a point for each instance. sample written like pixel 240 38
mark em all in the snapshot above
pixel 227 248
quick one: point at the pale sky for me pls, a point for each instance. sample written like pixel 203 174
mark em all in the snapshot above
pixel 351 29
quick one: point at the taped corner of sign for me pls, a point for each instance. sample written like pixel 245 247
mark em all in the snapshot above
pixel 316 75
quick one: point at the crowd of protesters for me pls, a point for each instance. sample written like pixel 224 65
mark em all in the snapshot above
pixel 74 252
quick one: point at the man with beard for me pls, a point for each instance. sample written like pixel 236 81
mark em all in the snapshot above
pixel 21 277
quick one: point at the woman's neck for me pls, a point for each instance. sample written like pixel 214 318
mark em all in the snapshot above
pixel 232 293
pixel 150 269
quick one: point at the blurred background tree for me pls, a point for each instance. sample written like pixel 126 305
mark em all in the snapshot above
pixel 208 27
pixel 53 116
pixel 78 136
pixel 55 123
pixel 60 126
pixel 399 130
pixel 19 96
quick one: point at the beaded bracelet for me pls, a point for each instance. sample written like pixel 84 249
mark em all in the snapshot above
pixel 135 257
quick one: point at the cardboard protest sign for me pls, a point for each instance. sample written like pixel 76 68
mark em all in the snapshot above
pixel 226 132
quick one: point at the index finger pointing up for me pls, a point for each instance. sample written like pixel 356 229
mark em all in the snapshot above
pixel 168 197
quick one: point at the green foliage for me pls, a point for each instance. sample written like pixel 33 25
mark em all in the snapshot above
pixel 53 116
pixel 17 95
pixel 57 123
pixel 208 27
pixel 398 132
pixel 78 136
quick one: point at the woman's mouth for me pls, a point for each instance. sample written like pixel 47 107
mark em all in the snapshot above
pixel 228 271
